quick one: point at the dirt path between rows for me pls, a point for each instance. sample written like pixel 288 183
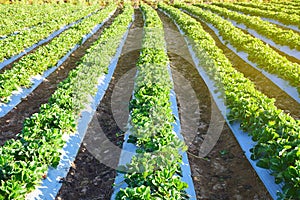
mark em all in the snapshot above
pixel 93 172
pixel 224 173
pixel 12 122
pixel 283 100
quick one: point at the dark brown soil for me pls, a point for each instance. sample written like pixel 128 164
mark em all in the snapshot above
pixel 93 171
pixel 12 122
pixel 224 173
pixel 219 168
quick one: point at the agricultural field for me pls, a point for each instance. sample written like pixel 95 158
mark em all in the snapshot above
pixel 149 100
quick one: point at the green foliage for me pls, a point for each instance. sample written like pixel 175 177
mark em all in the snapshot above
pixel 288 19
pixel 265 28
pixel 47 56
pixel 24 161
pixel 154 173
pixel 271 7
pixel 277 134
pixel 263 55
pixel 58 17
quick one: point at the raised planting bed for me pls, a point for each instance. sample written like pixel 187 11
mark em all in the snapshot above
pixel 25 161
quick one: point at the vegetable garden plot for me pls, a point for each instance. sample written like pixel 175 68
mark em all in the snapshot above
pixel 65 105
pixel 264 143
pixel 287 122
pixel 93 171
pixel 282 37
pixel 26 74
pixel 152 165
pixel 12 122
pixel 262 83
pixel 16 18
pixel 271 7
pixel 224 172
pixel 291 21
pixel 15 46
pixel 287 74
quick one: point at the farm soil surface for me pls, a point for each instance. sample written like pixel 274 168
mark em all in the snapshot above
pixel 219 170
pixel 93 172
pixel 12 122
pixel 223 173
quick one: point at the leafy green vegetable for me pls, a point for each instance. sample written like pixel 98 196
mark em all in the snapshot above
pixel 154 173
pixel 278 35
pixel 277 134
pixel 24 161
pixel 263 55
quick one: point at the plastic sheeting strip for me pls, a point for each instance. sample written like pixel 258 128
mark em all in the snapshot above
pixel 50 186
pixel 242 137
pixel 285 49
pixel 129 150
pixel 281 83
pixel 22 93
pixel 41 42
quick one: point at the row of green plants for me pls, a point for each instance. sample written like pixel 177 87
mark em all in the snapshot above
pixel 287 19
pixel 270 7
pixel 277 134
pixel 48 55
pixel 75 2
pixel 24 161
pixel 15 44
pixel 265 28
pixel 154 172
pixel 263 55
pixel 16 18
pixel 294 3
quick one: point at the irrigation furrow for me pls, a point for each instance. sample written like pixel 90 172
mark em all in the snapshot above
pixel 277 79
pixel 12 122
pixel 93 172
pixel 265 85
pixel 27 74
pixel 215 176
pixel 223 79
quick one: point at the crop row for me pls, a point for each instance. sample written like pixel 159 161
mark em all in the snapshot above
pixel 270 7
pixel 295 3
pixel 16 44
pixel 276 133
pixel 25 160
pixel 287 19
pixel 16 18
pixel 264 56
pixel 47 56
pixel 267 29
pixel 154 172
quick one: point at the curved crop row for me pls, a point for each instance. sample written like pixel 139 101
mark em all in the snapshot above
pixel 24 161
pixel 265 57
pixel 154 172
pixel 15 44
pixel 16 18
pixel 277 134
pixel 287 19
pixel 269 7
pixel 47 56
pixel 267 29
